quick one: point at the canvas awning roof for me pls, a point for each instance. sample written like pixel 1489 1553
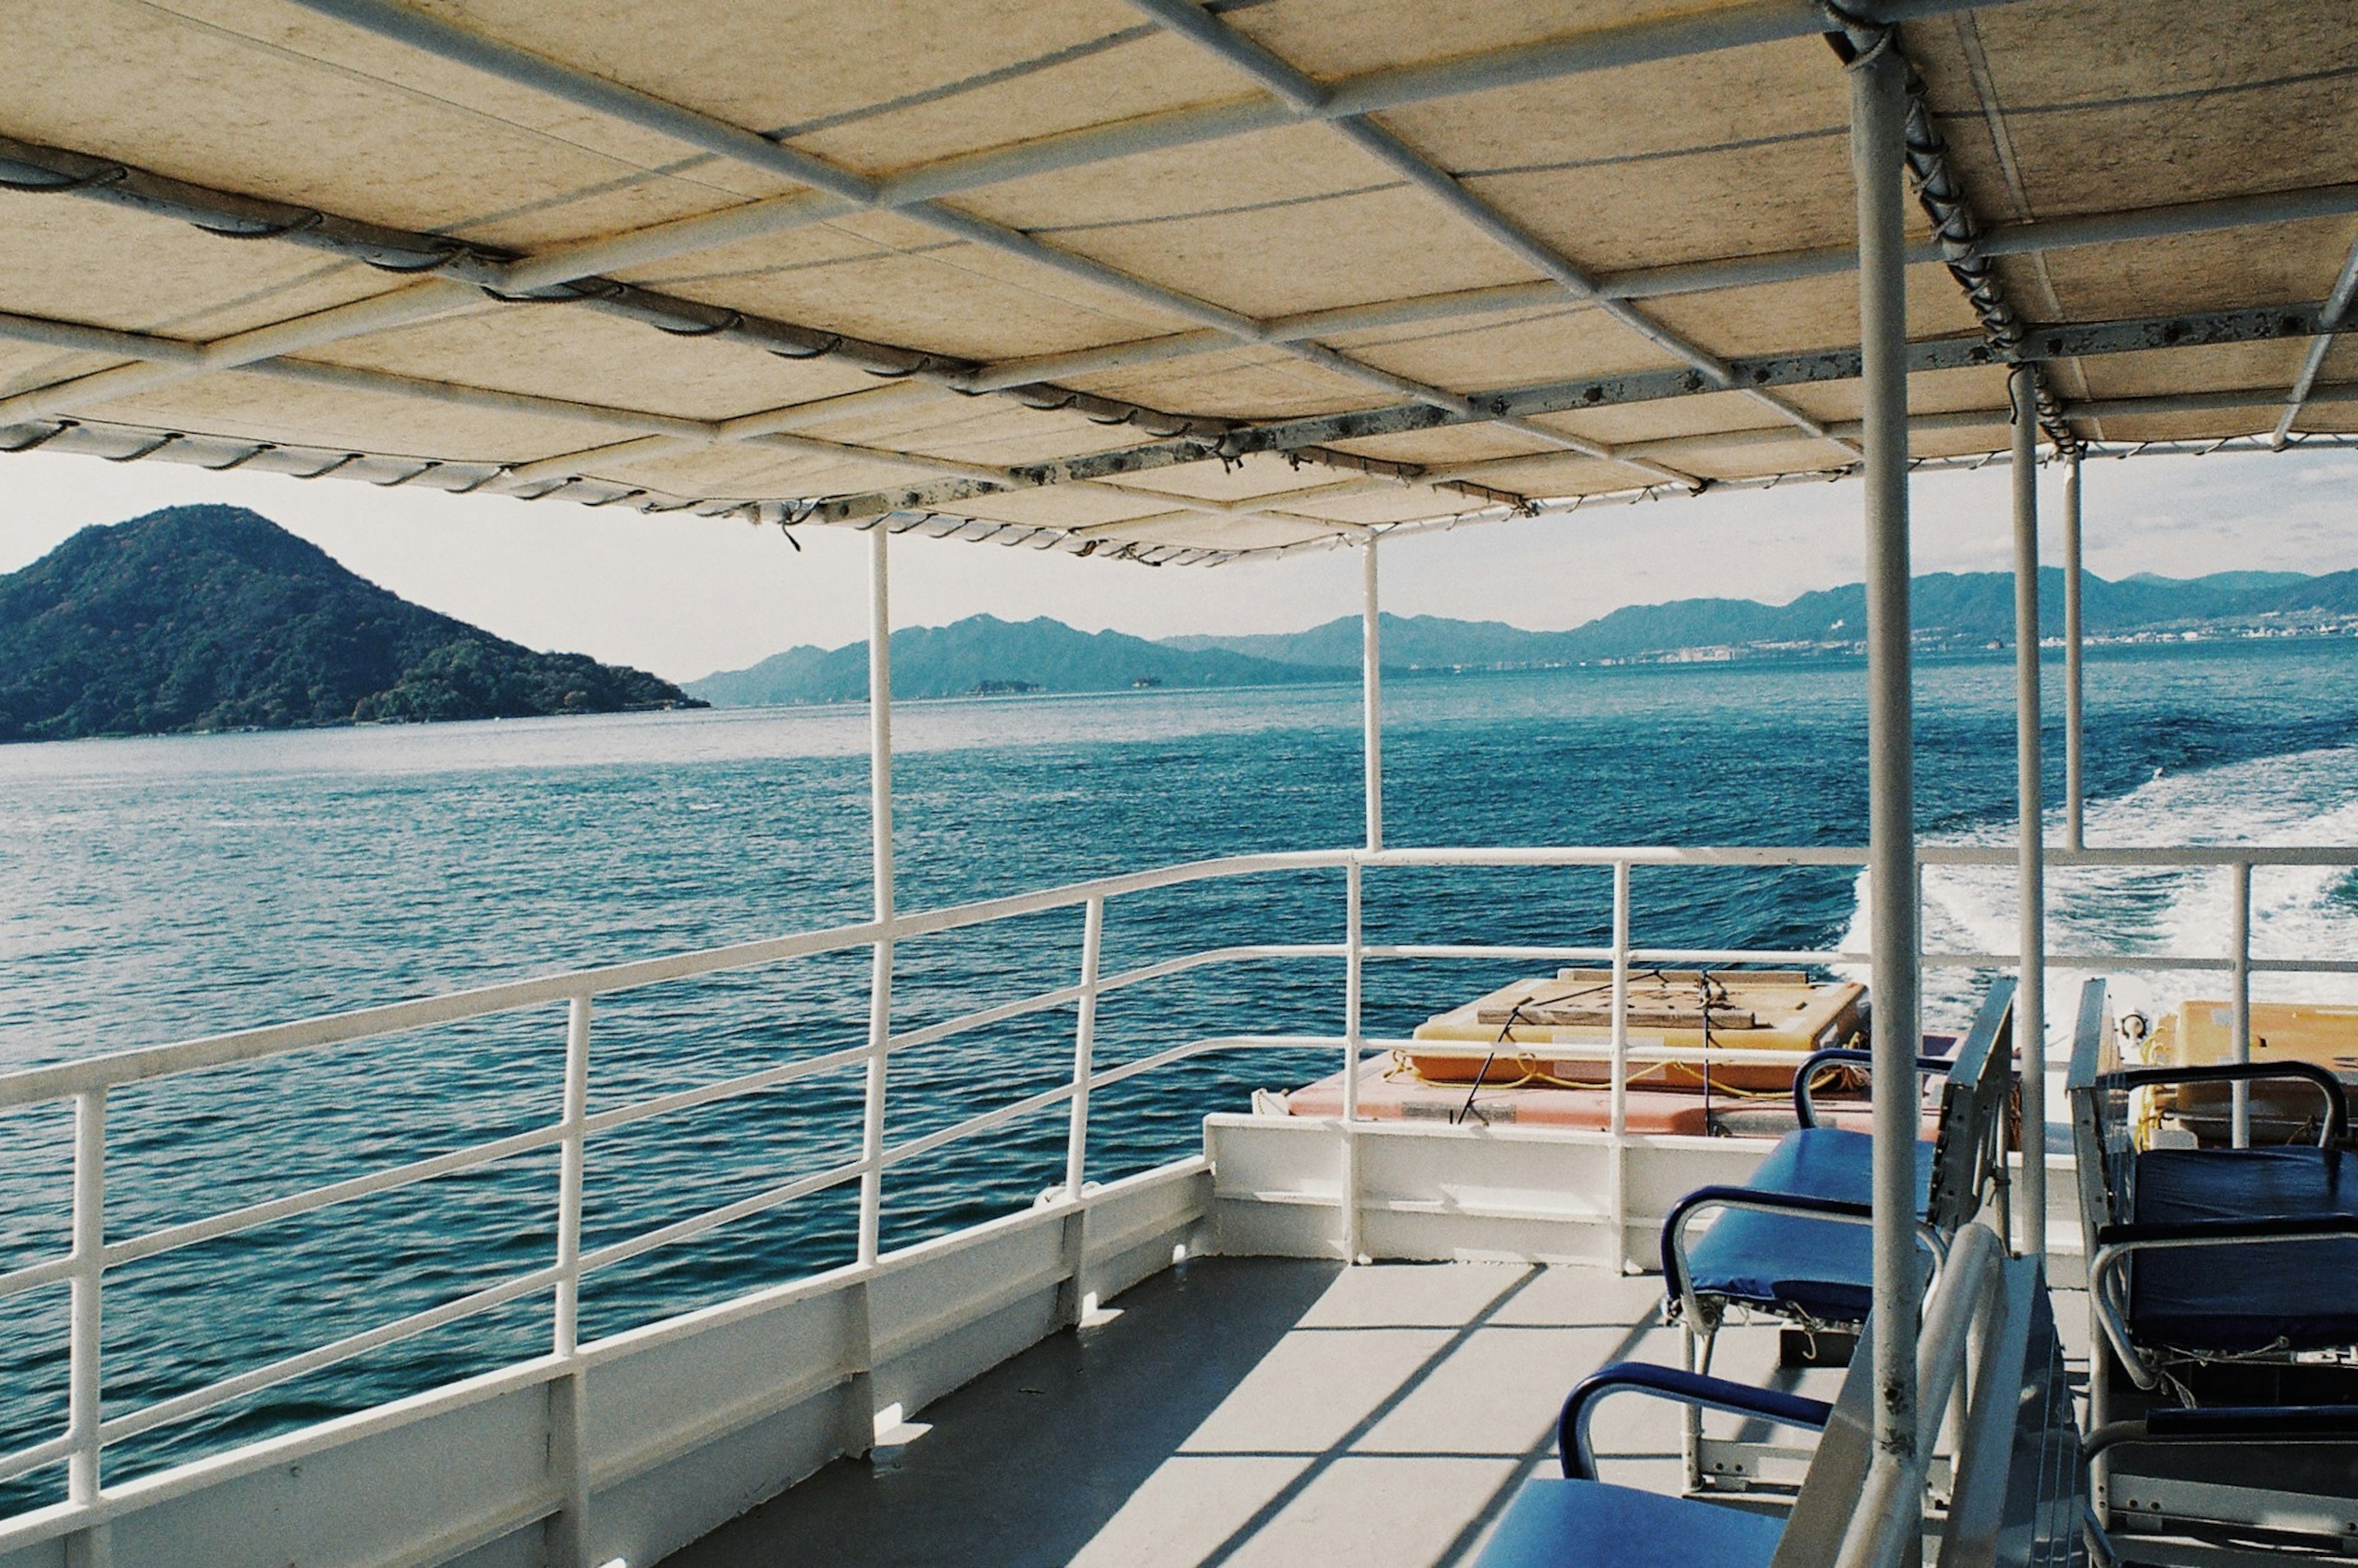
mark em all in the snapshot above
pixel 1169 281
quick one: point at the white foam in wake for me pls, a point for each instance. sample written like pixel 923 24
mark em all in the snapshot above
pixel 2307 798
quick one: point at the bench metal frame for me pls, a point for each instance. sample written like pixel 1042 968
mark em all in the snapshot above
pixel 1968 1174
pixel 2106 1160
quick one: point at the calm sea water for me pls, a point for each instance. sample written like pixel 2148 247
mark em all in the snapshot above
pixel 155 890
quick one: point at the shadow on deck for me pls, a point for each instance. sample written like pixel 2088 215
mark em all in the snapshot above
pixel 1242 1412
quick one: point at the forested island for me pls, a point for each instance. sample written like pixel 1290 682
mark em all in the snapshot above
pixel 204 618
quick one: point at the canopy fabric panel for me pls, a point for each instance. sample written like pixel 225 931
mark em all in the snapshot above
pixel 1175 281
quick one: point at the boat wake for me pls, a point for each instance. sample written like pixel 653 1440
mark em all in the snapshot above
pixel 2297 912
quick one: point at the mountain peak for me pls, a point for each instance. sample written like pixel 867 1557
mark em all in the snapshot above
pixel 198 618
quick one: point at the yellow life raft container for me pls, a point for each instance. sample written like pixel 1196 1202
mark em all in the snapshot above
pixel 1559 1029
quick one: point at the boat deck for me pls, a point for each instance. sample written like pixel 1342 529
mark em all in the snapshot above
pixel 1241 1412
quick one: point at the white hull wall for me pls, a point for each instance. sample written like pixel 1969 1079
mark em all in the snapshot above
pixel 689 1421
pixel 1430 1192
pixel 693 1420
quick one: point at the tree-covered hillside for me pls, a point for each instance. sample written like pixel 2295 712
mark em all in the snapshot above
pixel 215 618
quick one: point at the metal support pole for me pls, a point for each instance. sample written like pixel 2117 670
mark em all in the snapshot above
pixel 2240 1019
pixel 1372 686
pixel 1354 942
pixel 1878 121
pixel 1084 1045
pixel 83 1384
pixel 1620 1114
pixel 568 1396
pixel 568 1175
pixel 2075 784
pixel 2030 993
pixel 879 804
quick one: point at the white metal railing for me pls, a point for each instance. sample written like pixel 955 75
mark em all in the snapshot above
pixel 87 1083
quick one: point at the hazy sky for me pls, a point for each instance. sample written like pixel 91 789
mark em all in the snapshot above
pixel 685 596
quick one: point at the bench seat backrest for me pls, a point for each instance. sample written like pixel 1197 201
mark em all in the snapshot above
pixel 1975 1098
pixel 2100 1121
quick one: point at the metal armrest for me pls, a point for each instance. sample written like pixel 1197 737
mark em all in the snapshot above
pixel 1677 1278
pixel 2115 1243
pixel 2228 1424
pixel 2337 1100
pixel 1579 1461
pixel 1806 1110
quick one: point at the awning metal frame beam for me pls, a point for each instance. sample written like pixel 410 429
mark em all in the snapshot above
pixel 835 191
pixel 2045 342
pixel 510 63
pixel 652 435
pixel 1956 229
pixel 1309 98
pixel 1690 277
pixel 84 174
pixel 116 442
pixel 446 265
pixel 2329 320
pixel 399 250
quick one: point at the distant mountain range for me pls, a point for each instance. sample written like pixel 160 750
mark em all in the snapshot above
pixel 1949 609
pixel 984 656
pixel 200 618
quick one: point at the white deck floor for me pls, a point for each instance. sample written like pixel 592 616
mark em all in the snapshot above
pixel 1241 1413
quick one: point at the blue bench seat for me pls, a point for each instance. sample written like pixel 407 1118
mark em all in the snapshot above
pixel 1558 1523
pixel 2302 1296
pixel 1820 1266
pixel 1792 1240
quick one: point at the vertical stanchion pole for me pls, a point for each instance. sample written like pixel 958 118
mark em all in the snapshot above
pixel 1878 126
pixel 2240 1019
pixel 1354 981
pixel 1084 1045
pixel 2075 781
pixel 879 807
pixel 1372 691
pixel 568 1395
pixel 84 1387
pixel 1371 732
pixel 1620 1113
pixel 568 1175
pixel 2031 991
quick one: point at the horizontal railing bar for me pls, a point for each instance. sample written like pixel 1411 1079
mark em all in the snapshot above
pixel 2139 963
pixel 25 1461
pixel 33 1276
pixel 1635 855
pixel 932 922
pixel 974 1124
pixel 117 1067
pixel 198 1401
pixel 1483 950
pixel 253 1215
pixel 32 1085
pixel 725 1088
pixel 57 1080
pixel 1474 1050
pixel 2190 855
pixel 1718 956
pixel 713 1218
pixel 1064 996
pixel 1603 955
pixel 1163 1058
pixel 1041 1001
